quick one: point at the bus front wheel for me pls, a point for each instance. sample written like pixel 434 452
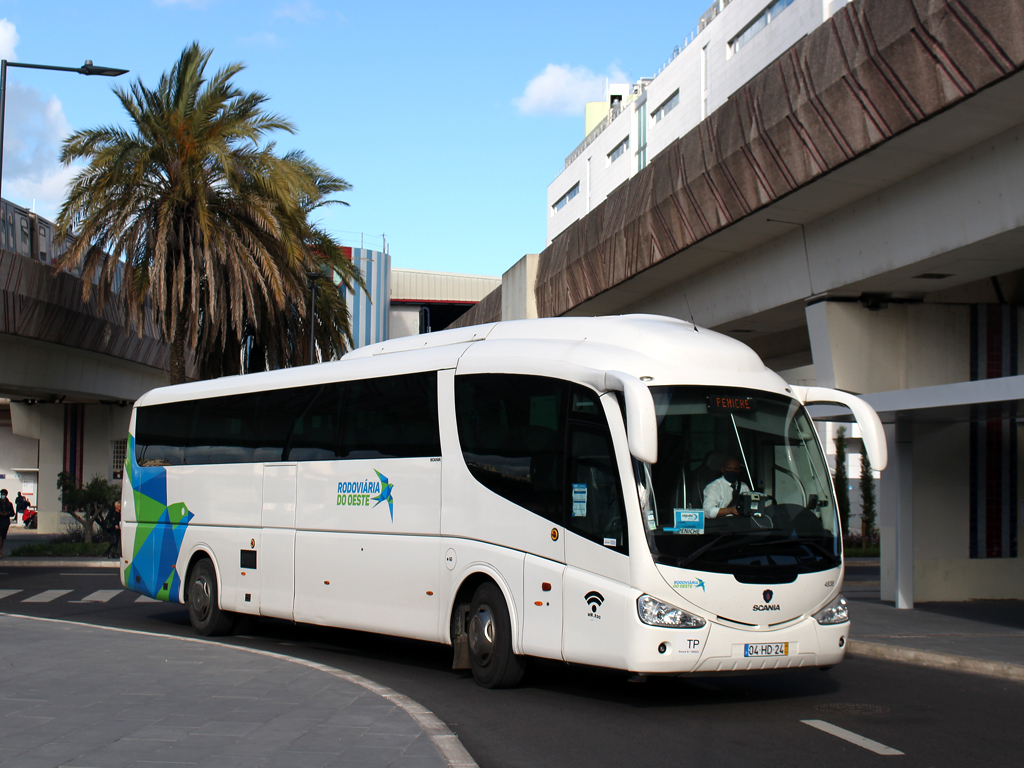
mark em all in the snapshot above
pixel 490 640
pixel 203 610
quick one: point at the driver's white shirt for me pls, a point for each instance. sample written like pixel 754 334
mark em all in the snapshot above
pixel 718 495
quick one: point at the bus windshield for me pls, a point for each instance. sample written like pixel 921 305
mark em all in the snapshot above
pixel 740 486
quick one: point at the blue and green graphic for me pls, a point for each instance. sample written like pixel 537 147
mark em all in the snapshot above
pixel 385 494
pixel 159 534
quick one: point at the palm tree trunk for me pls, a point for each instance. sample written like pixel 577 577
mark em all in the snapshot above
pixel 177 366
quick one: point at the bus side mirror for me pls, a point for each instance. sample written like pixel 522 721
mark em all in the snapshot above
pixel 870 425
pixel 641 420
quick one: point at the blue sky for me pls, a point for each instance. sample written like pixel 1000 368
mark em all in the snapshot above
pixel 449 119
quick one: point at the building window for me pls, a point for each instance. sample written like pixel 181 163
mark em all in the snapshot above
pixel 667 106
pixel 564 199
pixel 762 20
pixel 118 452
pixel 619 151
pixel 641 137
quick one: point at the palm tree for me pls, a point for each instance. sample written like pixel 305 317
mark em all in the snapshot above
pixel 192 215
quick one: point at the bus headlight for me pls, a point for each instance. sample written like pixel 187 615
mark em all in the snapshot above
pixel 658 614
pixel 836 612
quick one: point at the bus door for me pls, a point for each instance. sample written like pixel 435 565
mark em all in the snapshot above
pixel 542 605
pixel 596 590
pixel 277 551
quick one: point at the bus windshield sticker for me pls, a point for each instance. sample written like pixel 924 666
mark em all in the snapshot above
pixel 689 521
pixel 579 499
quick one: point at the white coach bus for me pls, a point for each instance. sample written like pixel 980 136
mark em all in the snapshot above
pixel 529 488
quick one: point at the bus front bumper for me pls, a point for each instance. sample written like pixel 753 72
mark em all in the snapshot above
pixel 719 648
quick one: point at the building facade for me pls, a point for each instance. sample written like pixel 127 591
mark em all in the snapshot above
pixel 733 41
pixel 368 310
pixel 424 301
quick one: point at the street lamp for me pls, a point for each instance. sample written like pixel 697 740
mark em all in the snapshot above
pixel 86 69
pixel 313 277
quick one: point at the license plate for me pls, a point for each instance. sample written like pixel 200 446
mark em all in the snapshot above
pixel 766 649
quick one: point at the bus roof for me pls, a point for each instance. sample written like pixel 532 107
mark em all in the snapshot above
pixel 661 350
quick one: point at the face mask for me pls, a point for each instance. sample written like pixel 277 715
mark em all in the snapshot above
pixel 732 477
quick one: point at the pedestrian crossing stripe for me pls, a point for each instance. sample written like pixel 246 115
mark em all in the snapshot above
pixel 100 596
pixel 49 595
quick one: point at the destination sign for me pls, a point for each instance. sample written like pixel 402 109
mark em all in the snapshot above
pixel 731 404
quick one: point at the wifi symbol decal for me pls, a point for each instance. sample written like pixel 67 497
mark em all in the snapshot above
pixel 594 601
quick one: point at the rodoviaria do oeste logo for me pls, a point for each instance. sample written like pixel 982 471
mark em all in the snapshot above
pixel 359 493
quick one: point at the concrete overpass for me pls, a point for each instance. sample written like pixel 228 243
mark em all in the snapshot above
pixel 855 213
pixel 70 375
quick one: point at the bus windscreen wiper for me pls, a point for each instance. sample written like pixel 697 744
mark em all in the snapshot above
pixel 713 544
pixel 810 542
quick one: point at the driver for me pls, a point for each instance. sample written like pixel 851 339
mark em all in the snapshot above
pixel 720 494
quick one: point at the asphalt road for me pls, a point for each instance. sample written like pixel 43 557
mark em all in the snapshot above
pixel 576 716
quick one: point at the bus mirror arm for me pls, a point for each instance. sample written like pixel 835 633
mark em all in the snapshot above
pixel 641 420
pixel 871 429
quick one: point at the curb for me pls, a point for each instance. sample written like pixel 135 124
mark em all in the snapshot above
pixel 948 661
pixel 43 562
pixel 447 743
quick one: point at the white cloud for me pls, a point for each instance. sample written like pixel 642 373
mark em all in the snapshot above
pixel 35 127
pixel 8 40
pixel 565 90
pixel 262 39
pixel 302 11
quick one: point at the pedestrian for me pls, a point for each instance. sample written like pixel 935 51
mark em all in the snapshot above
pixel 20 505
pixel 6 513
pixel 112 528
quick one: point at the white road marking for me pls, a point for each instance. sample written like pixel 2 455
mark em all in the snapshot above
pixel 145 599
pixel 47 596
pixel 100 596
pixel 8 592
pixel 853 738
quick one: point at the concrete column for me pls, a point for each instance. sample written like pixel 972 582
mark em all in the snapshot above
pixel 51 463
pixel 888 503
pixel 518 289
pixel 821 344
pixel 903 530
pixel 896 517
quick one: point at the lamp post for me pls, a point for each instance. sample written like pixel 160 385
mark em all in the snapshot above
pixel 313 277
pixel 86 69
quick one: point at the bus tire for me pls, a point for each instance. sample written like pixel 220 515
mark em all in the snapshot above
pixel 203 609
pixel 491 658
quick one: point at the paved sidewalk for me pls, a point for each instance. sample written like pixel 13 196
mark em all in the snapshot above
pixel 80 696
pixel 981 636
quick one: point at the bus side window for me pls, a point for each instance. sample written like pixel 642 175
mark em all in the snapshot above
pixel 391 417
pixel 315 437
pixel 278 412
pixel 161 432
pixel 221 430
pixel 596 509
pixel 512 432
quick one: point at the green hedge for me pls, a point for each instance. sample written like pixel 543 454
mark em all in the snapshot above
pixel 61 549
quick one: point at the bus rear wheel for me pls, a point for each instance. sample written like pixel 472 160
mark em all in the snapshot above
pixel 203 609
pixel 490 640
